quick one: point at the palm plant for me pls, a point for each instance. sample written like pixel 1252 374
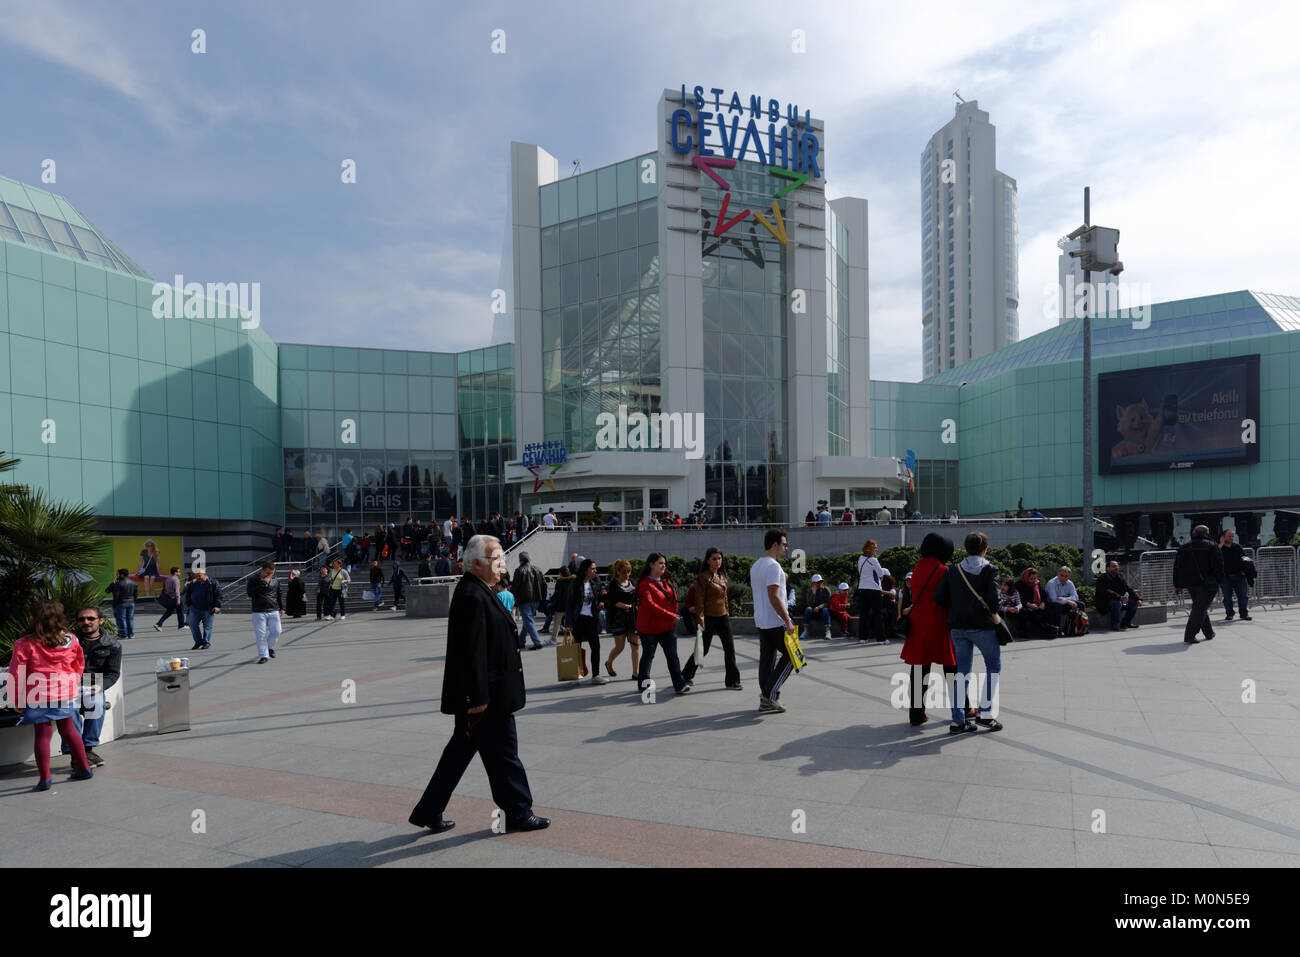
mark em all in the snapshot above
pixel 47 549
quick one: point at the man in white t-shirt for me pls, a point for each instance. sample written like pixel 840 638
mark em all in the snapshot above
pixel 767 582
pixel 549 519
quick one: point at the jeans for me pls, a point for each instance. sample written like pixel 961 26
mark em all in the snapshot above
pixel 669 642
pixel 826 617
pixel 549 608
pixel 204 618
pixel 266 630
pixel 378 589
pixel 88 727
pixel 604 629
pixel 125 617
pixel 1237 584
pixel 336 598
pixel 527 609
pixel 1130 609
pixel 964 643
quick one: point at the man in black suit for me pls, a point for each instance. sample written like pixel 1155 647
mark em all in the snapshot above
pixel 1198 567
pixel 482 686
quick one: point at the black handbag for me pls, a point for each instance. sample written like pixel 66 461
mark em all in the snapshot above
pixel 904 626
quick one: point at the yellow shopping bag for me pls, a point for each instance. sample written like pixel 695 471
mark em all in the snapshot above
pixel 568 660
pixel 795 652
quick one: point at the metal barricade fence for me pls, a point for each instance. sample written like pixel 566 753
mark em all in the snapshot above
pixel 1275 574
pixel 1157 577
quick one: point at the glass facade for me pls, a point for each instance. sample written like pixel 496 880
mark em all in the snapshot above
pixel 745 328
pixel 370 436
pixel 485 387
pixel 134 415
pixel 600 299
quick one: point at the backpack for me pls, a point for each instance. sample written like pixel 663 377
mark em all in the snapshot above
pixel 1074 623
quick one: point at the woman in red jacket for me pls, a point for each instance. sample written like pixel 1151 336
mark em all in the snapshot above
pixel 929 642
pixel 656 621
pixel 46 670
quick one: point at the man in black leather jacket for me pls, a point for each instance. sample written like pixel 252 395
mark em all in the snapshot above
pixel 1199 568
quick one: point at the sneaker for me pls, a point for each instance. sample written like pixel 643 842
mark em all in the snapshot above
pixel 961 728
pixel 776 706
pixel 989 724
pixel 197 646
pixel 44 785
pixel 327 621
pixel 599 680
pixel 262 661
pixel 736 687
pixel 271 652
pixel 94 759
pixel 343 617
pixel 687 688
pixel 157 627
pixel 85 775
pixel 803 636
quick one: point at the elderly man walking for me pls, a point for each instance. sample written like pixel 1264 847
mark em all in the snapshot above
pixel 1198 567
pixel 482 687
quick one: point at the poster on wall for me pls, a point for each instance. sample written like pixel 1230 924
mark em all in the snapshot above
pixel 1191 415
pixel 146 559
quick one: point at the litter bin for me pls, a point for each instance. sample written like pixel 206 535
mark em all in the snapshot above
pixel 173 701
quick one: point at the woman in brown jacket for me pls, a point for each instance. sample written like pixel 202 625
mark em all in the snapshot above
pixel 710 610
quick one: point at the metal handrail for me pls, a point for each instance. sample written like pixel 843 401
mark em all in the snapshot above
pixel 1053 519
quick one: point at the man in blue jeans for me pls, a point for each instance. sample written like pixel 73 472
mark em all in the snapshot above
pixel 124 593
pixel 969 590
pixel 204 599
pixel 102 670
pixel 1234 582
pixel 1114 596
pixel 528 584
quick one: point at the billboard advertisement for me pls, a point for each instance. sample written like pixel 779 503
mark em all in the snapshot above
pixel 147 560
pixel 1191 415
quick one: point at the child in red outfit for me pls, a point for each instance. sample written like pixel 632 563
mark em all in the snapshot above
pixel 46 677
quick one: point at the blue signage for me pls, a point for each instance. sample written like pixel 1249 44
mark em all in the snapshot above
pixel 544 453
pixel 732 129
pixel 910 461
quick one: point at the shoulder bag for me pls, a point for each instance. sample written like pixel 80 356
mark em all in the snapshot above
pixel 999 626
pixel 904 626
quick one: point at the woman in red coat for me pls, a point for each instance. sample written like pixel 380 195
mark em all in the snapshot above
pixel 656 621
pixel 929 642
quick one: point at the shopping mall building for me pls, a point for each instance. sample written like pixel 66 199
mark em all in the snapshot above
pixel 688 323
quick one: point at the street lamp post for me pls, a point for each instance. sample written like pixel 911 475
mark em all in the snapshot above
pixel 1098 250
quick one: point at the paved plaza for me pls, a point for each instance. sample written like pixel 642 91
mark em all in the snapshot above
pixel 1134 731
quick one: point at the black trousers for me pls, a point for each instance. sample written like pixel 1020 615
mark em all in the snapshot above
pixel 586 629
pixel 773 663
pixel 496 742
pixel 719 625
pixel 1199 619
pixel 870 603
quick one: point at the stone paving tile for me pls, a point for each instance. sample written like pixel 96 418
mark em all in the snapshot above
pixel 1117 850
pixel 998 844
pixel 981 802
pixel 1160 820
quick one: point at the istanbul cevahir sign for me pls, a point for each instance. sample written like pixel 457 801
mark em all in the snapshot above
pixel 721 132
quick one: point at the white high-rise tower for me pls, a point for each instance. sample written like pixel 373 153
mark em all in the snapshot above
pixel 970 286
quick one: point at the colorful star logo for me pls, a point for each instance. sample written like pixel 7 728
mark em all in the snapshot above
pixel 548 480
pixel 706 165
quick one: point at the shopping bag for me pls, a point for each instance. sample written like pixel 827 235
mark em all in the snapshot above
pixel 367 595
pixel 568 664
pixel 699 646
pixel 794 651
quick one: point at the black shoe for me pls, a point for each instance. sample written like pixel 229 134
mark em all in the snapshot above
pixel 262 661
pixel 530 823
pixel 989 724
pixel 961 728
pixel 271 652
pixel 436 826
pixel 1247 618
pixel 1229 618
pixel 1208 638
pixel 197 646
pixel 1191 641
pixel 736 687
pixel 94 759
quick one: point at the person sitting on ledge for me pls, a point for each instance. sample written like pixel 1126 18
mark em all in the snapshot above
pixel 818 603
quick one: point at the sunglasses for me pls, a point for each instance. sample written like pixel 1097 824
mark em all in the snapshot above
pixel 88 618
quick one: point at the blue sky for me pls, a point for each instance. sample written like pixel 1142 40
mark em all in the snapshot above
pixel 225 166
